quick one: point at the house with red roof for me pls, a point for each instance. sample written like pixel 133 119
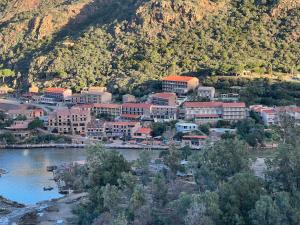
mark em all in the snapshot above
pixel 113 110
pixel 267 114
pixel 57 94
pixel 164 98
pixel 210 112
pixel 180 85
pixel 142 133
pixel 142 109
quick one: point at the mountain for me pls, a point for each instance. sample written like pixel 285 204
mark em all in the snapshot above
pixel 124 43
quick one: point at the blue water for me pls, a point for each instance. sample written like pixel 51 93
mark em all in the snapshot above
pixel 27 173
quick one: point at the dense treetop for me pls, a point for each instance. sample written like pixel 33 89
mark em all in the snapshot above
pixel 82 42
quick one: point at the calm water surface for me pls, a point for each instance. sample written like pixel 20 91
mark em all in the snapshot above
pixel 27 173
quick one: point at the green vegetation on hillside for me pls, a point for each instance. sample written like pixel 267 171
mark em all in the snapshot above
pixel 118 46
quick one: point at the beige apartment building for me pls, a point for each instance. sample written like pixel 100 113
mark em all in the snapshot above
pixel 107 109
pixel 69 121
pixel 164 98
pixel 211 112
pixel 142 109
pixel 180 85
pixel 91 97
pixel 57 94
pixel 163 113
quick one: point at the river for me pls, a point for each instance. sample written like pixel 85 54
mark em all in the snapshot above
pixel 27 173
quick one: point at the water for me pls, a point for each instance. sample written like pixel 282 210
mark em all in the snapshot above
pixel 27 173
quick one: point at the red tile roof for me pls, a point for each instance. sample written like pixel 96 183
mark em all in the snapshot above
pixel 144 130
pixel 178 78
pixel 164 95
pixel 269 111
pixel 202 104
pixel 55 90
pixel 137 105
pixel 131 116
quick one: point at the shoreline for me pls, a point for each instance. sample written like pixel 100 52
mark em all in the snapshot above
pixel 81 146
pixel 42 212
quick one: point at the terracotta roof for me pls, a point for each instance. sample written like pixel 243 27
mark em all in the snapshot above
pixel 84 106
pixel 178 78
pixel 164 95
pixel 131 116
pixel 269 111
pixel 195 137
pixel 144 130
pixel 202 104
pixel 137 105
pixel 103 105
pixel 55 90
pixel 207 115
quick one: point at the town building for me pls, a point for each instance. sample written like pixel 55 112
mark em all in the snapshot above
pixel 234 111
pixel 203 110
pixel 113 110
pixel 19 129
pixel 142 109
pixel 180 85
pixel 57 94
pixel 164 98
pixel 194 141
pixel 267 114
pixel 292 111
pixel 27 113
pixel 210 112
pixel 69 121
pixel 128 98
pixel 91 96
pixel 163 113
pixel 130 117
pixel 94 89
pixel 142 134
pixel 206 92
pixel 101 130
pixel 124 130
pixel 96 130
pixel 185 127
pixel 33 89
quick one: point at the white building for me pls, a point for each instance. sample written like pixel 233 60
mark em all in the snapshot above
pixel 186 127
pixel 206 92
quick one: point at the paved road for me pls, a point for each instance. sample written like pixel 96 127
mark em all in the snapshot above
pixel 12 103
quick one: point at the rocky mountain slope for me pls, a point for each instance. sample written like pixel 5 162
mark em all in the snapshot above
pixel 123 43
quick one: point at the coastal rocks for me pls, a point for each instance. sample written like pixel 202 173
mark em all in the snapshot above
pixel 7 206
pixel 5 203
pixel 2 171
pixel 30 218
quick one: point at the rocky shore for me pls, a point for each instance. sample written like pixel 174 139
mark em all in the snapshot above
pixel 54 211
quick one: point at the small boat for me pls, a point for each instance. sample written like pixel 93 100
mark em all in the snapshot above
pixel 51 168
pixel 48 188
